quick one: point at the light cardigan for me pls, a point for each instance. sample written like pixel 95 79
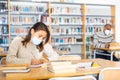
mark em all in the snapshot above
pixel 20 54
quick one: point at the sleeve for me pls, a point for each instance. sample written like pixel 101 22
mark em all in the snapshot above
pixel 112 39
pixel 51 54
pixel 12 56
pixel 96 42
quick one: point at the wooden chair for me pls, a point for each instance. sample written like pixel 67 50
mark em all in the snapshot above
pixel 110 73
pixel 3 61
pixel 75 78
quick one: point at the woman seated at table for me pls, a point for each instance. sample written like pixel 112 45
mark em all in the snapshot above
pixel 31 48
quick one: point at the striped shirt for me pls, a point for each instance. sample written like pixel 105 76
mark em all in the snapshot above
pixel 100 39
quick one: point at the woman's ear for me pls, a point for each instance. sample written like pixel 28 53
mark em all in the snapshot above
pixel 32 31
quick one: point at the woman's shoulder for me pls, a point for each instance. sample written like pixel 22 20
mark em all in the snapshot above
pixel 17 40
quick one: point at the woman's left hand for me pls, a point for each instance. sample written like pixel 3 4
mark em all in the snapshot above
pixel 43 60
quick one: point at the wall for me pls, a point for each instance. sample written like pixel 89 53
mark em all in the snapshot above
pixel 118 20
pixel 114 2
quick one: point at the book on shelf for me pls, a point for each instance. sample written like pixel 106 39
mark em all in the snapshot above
pixel 27 8
pixel 3 19
pixel 19 30
pixel 63 20
pixel 4 29
pixel 66 40
pixel 98 20
pixel 66 30
pixel 3 6
pixel 4 40
pixel 25 19
pixel 67 9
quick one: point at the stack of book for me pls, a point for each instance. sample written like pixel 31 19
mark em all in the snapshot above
pixel 61 67
pixel 10 69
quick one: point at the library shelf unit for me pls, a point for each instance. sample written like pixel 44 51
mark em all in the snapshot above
pixel 71 24
pixel 22 16
pixel 4 28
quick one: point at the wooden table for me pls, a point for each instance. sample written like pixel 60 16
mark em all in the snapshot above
pixel 112 50
pixel 42 72
pixel 3 54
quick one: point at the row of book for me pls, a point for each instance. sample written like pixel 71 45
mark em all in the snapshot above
pixel 3 6
pixel 66 9
pixel 66 20
pixel 3 29
pixel 98 10
pixel 56 20
pixel 3 19
pixel 29 19
pixel 32 8
pixel 4 40
pixel 98 20
pixel 62 49
pixel 19 30
pixel 65 30
pixel 66 40
pixel 94 29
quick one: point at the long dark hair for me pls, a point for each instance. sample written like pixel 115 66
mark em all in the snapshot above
pixel 37 26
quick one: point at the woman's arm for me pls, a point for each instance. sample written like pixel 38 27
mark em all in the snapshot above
pixel 12 56
pixel 48 50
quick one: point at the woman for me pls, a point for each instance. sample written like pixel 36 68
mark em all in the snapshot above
pixel 31 48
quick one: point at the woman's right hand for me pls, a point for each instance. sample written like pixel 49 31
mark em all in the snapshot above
pixel 36 61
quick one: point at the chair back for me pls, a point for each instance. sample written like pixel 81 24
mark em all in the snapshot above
pixel 3 61
pixel 75 78
pixel 110 73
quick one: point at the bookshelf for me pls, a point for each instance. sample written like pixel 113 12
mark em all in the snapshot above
pixel 66 27
pixel 22 17
pixel 71 24
pixel 4 28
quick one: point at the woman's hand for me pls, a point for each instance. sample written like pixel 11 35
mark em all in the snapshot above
pixel 37 61
pixel 107 45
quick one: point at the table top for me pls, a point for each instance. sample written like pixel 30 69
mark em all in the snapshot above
pixel 43 73
pixel 3 54
pixel 109 49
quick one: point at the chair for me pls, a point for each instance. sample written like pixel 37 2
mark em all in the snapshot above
pixel 110 73
pixel 3 61
pixel 114 47
pixel 74 78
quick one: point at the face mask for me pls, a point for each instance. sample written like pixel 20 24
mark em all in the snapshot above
pixel 107 32
pixel 36 41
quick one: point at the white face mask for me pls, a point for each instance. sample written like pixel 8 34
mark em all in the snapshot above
pixel 108 32
pixel 36 41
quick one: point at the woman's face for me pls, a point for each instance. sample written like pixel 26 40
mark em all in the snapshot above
pixel 41 35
